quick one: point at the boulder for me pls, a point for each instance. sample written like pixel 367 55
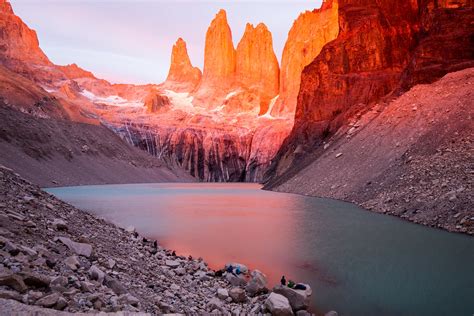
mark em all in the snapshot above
pixel 58 284
pixel 214 303
pixel 13 281
pixel 59 224
pixel 36 279
pixel 299 299
pixel 72 263
pixel 236 280
pixel 222 293
pixel 238 295
pixel 129 300
pixel 172 263
pixel 115 285
pixel 96 274
pixel 49 300
pixel 78 248
pixel 278 305
pixel 257 284
pixel 331 313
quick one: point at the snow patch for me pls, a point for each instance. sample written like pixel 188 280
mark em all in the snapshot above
pixel 113 100
pixel 48 90
pixel 231 94
pixel 180 99
pixel 270 108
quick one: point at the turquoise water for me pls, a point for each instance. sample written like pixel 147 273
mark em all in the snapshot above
pixel 357 262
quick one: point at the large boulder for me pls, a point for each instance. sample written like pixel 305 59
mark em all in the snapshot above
pixel 257 284
pixel 236 280
pixel 299 299
pixel 278 305
pixel 238 295
pixel 81 249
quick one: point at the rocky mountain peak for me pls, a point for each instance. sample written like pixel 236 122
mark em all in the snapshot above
pixel 5 7
pixel 181 70
pixel 256 64
pixel 73 71
pixel 219 53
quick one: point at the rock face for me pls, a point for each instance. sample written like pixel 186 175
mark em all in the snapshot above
pixel 19 48
pixel 182 76
pixel 257 67
pixel 371 56
pixel 219 53
pixel 445 43
pixel 309 33
pixel 155 102
pixel 209 150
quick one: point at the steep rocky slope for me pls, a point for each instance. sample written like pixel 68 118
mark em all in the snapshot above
pixel 411 157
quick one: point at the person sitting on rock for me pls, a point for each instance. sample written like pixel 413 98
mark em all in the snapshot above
pixel 230 269
pixel 283 281
pixel 237 271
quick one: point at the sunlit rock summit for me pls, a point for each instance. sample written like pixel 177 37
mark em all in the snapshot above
pixel 182 76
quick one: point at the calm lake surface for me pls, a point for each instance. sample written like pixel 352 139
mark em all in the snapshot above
pixel 357 262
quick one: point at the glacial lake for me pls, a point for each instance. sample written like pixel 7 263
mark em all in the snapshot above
pixel 357 262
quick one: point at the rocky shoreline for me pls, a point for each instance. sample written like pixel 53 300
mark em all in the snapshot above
pixel 63 260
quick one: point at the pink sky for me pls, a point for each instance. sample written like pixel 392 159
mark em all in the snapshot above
pixel 131 40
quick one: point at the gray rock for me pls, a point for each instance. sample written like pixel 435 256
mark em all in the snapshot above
pixel 111 263
pixel 180 271
pixel 278 305
pixel 87 287
pixel 11 248
pixel 61 304
pixel 128 299
pixel 49 300
pixel 36 279
pixel 222 293
pixel 28 251
pixel 58 284
pixel 303 312
pixel 172 263
pixel 238 295
pixel 299 299
pixel 11 295
pixel 214 303
pixel 59 224
pixel 236 280
pixel 331 313
pixel 114 285
pixel 78 248
pixel 13 281
pixel 96 274
pixel 72 263
pixel 257 284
